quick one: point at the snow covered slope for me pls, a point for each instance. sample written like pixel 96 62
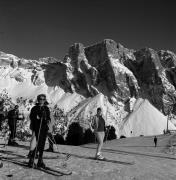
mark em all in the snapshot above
pixel 145 119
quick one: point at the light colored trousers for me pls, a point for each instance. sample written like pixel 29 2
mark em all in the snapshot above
pixel 100 138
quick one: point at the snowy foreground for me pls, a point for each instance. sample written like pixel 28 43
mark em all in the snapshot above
pixel 150 163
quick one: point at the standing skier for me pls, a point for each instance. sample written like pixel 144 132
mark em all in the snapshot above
pixel 51 139
pixel 40 118
pixel 13 116
pixel 1 164
pixel 99 129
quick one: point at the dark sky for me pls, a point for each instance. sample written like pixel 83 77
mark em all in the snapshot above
pixel 34 28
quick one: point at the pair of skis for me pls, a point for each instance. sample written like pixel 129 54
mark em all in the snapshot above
pixel 57 171
pixel 48 170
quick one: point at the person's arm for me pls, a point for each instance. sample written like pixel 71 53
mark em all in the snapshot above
pixel 91 124
pixel 94 124
pixel 48 117
pixel 51 123
pixel 32 118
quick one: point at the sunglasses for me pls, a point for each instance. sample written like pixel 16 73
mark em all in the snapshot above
pixel 42 99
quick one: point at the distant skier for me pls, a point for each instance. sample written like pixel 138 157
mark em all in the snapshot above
pixel 155 141
pixel 1 164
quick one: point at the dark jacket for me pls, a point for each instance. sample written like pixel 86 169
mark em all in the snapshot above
pixel 98 124
pixel 39 114
pixel 12 117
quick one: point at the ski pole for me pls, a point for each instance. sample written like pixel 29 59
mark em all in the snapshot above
pixel 53 141
pixel 106 119
pixel 37 140
pixel 5 138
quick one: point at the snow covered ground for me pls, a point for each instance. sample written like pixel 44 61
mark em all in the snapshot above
pixel 150 163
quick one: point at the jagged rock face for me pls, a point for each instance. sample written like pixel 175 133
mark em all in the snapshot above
pixel 147 69
pixel 99 69
pixel 151 74
pixel 168 61
pixel 106 57
pixel 167 58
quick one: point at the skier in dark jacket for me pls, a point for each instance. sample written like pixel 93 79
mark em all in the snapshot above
pixel 40 118
pixel 155 141
pixel 13 116
pixel 51 139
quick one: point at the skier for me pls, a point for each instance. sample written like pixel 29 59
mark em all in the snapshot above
pixel 40 118
pixel 50 139
pixel 155 141
pixel 98 126
pixel 13 116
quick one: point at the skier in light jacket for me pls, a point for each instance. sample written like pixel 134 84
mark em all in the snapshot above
pixel 98 126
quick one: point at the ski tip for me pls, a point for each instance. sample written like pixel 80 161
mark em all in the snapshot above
pixel 68 173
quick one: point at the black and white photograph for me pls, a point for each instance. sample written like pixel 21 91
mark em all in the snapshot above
pixel 87 90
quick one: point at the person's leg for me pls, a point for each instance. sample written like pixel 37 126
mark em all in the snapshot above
pixel 11 129
pixel 100 138
pixel 15 127
pixel 11 132
pixel 32 144
pixel 33 141
pixel 14 132
pixel 33 153
pixel 41 145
